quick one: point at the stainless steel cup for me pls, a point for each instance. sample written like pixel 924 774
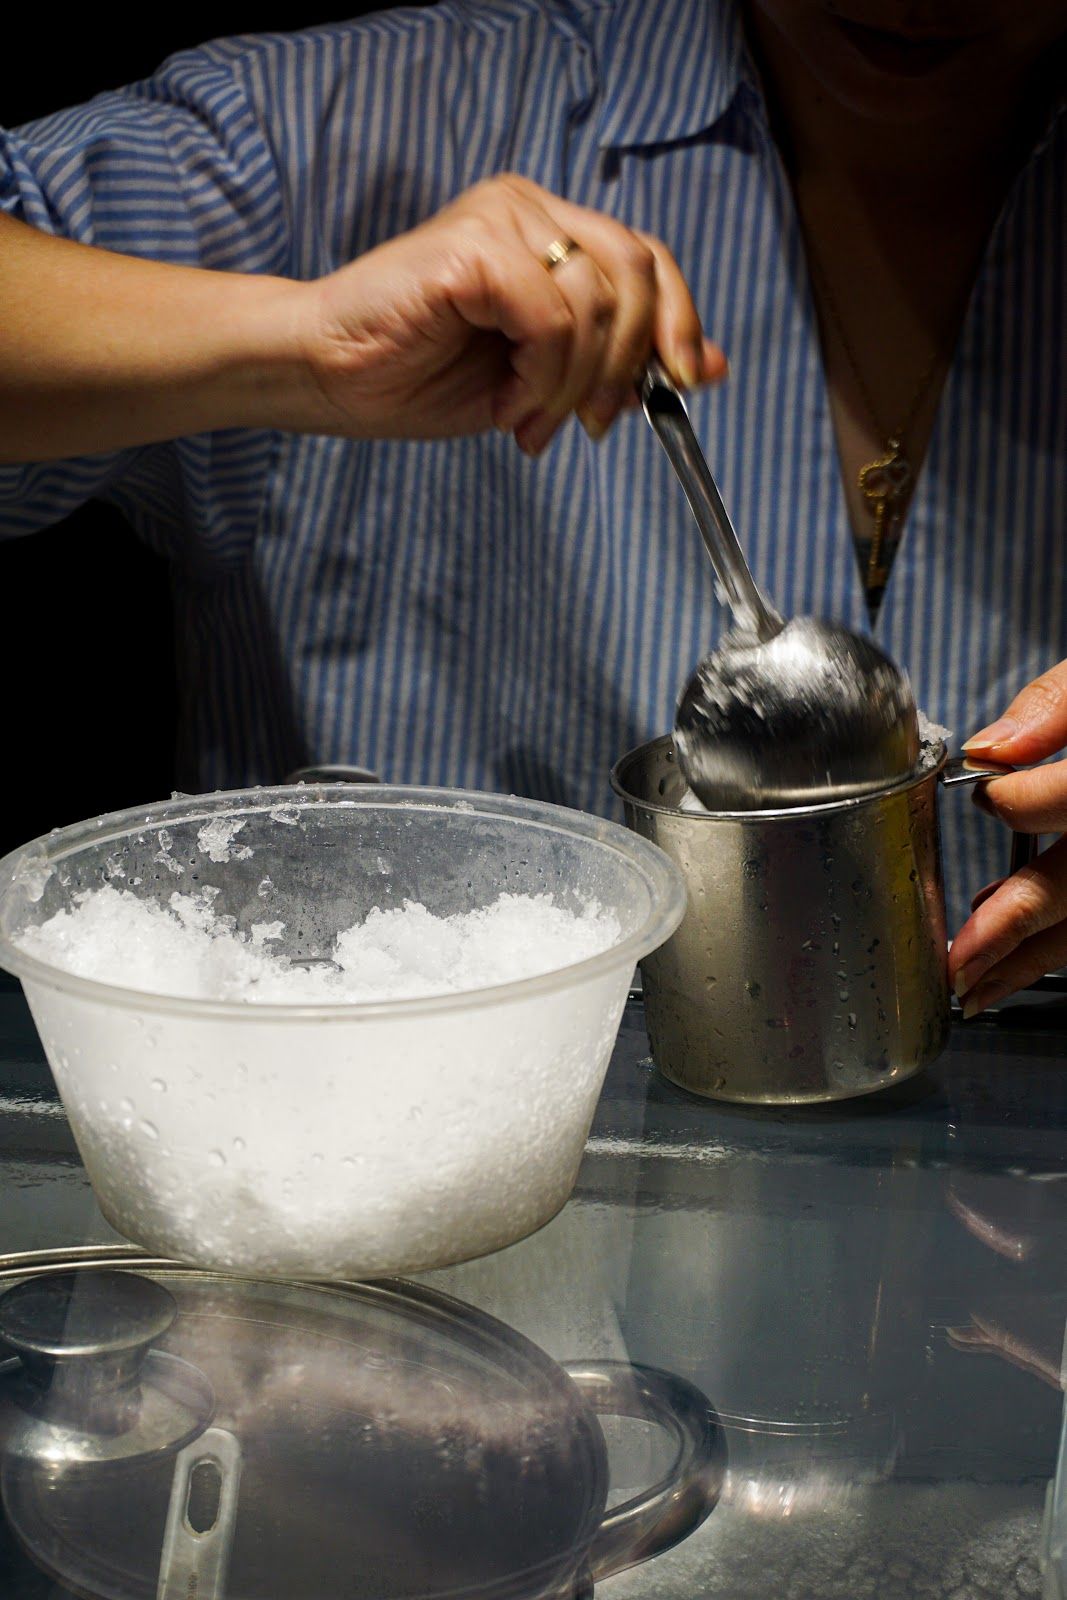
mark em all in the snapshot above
pixel 810 964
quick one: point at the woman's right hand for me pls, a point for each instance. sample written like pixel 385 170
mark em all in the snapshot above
pixel 459 325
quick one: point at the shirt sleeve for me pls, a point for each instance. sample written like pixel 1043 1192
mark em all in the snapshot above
pixel 176 168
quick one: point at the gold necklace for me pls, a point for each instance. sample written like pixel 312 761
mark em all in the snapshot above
pixel 885 481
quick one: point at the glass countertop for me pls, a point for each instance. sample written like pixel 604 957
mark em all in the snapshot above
pixel 872 1295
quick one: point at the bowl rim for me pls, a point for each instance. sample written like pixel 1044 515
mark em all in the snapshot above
pixel 663 880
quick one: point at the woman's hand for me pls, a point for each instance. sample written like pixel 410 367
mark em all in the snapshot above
pixel 1018 926
pixel 452 328
pixel 460 325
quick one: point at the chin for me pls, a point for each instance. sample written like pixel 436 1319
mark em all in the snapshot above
pixel 883 60
pixel 891 79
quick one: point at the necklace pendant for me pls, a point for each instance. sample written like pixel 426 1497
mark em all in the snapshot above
pixel 887 478
pixel 884 483
pixel 877 575
pixel 877 568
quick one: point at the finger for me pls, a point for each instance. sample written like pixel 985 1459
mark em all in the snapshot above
pixel 1029 802
pixel 496 284
pixel 654 310
pixel 1026 905
pixel 631 267
pixel 614 326
pixel 715 369
pixel 541 219
pixel 1045 952
pixel 583 285
pixel 626 292
pixel 676 328
pixel 535 416
pixel 593 303
pixel 1034 725
pixel 678 336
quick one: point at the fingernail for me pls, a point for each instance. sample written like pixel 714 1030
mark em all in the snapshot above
pixel 968 976
pixel 983 998
pixel 604 403
pixel 687 366
pixel 592 424
pixel 507 410
pixel 998 732
pixel 524 435
pixel 535 432
pixel 713 362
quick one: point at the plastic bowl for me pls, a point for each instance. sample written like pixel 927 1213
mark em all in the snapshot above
pixel 336 1140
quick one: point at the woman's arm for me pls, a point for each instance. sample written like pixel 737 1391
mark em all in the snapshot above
pixel 100 351
pixel 450 329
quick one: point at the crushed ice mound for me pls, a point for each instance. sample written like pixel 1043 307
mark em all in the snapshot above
pixel 186 949
pixel 931 734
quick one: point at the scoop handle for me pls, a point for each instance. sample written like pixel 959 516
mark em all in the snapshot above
pixel 667 417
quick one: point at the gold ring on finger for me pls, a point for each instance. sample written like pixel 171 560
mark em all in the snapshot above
pixel 559 251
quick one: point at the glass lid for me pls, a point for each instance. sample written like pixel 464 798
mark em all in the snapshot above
pixel 281 1441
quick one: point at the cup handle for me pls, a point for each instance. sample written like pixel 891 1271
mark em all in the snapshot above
pixel 668 1511
pixel 961 770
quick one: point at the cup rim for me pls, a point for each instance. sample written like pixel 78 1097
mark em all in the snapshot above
pixel 821 808
pixel 663 880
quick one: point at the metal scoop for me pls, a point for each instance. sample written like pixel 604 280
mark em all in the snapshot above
pixel 783 713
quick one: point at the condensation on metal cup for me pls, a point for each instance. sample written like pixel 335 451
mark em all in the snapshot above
pixel 811 963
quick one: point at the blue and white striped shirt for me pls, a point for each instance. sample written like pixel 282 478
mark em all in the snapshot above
pixel 451 612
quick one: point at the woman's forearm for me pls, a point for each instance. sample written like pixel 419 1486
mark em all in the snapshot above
pixel 100 351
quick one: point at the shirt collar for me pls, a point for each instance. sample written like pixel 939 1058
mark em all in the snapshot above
pixel 671 70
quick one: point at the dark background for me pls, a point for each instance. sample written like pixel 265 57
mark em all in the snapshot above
pixel 88 700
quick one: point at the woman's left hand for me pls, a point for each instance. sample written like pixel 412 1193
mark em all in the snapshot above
pixel 1018 926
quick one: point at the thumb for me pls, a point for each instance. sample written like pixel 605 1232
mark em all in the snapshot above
pixel 1034 725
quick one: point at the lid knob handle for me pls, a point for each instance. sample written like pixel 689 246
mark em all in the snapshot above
pixel 83 1338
